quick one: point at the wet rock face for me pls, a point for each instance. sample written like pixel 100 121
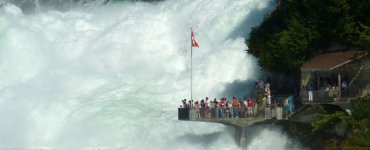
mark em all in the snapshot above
pixel 308 113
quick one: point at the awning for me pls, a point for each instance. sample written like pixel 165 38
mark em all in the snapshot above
pixel 332 60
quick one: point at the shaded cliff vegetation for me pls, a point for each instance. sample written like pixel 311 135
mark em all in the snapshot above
pixel 351 130
pixel 298 30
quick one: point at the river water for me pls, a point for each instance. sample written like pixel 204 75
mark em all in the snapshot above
pixel 110 75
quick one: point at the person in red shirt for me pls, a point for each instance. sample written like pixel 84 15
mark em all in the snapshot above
pixel 235 108
pixel 250 107
pixel 222 107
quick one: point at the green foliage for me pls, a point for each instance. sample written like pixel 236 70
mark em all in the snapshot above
pixel 298 30
pixel 358 122
pixel 364 39
pixel 362 109
pixel 360 139
pixel 338 118
pixel 361 133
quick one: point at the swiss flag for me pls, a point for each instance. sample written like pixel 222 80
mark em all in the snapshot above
pixel 193 42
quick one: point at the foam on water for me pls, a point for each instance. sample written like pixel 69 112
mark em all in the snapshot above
pixel 270 137
pixel 113 76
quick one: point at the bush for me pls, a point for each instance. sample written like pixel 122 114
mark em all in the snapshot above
pixel 298 30
pixel 361 123
pixel 362 109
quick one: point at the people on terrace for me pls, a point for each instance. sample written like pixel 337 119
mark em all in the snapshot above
pixel 235 108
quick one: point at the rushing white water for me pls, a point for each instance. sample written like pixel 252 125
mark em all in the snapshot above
pixel 112 76
pixel 270 137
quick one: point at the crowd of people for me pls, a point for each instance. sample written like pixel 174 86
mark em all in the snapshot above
pixel 329 88
pixel 222 108
pixel 267 91
pixel 229 108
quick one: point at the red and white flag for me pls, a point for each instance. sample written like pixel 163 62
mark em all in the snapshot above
pixel 193 42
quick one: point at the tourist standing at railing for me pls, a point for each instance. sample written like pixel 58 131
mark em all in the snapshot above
pixel 268 94
pixel 260 84
pixel 218 112
pixel 331 92
pixel 184 104
pixel 190 104
pixel 209 107
pixel 197 109
pixel 327 87
pixel 245 105
pixel 213 108
pixel 225 101
pixel 206 107
pixel 217 108
pixel 231 108
pixel 250 107
pixel 206 112
pixel 335 93
pixel 309 87
pixel 255 108
pixel 192 112
pixel 202 108
pixel 241 108
pixel 235 108
pixel 206 101
pixel 227 109
pixel 222 107
pixel 345 88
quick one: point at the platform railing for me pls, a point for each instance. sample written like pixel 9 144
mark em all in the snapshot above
pixel 324 96
pixel 223 113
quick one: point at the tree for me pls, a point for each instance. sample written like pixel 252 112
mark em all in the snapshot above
pixel 298 30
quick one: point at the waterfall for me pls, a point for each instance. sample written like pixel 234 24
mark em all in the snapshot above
pixel 111 76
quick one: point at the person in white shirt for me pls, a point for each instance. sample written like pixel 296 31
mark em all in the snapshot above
pixel 268 94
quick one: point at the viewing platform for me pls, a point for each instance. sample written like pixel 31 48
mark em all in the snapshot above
pixel 260 115
pixel 278 111
pixel 239 122
pixel 330 82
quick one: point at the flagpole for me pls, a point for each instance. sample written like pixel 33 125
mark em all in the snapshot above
pixel 191 64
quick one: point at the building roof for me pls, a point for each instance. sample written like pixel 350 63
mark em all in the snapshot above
pixel 332 60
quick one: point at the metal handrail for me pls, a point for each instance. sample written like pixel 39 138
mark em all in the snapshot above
pixel 220 113
pixel 329 96
pixel 319 96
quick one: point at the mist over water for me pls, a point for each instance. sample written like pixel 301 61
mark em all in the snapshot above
pixel 269 136
pixel 112 76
